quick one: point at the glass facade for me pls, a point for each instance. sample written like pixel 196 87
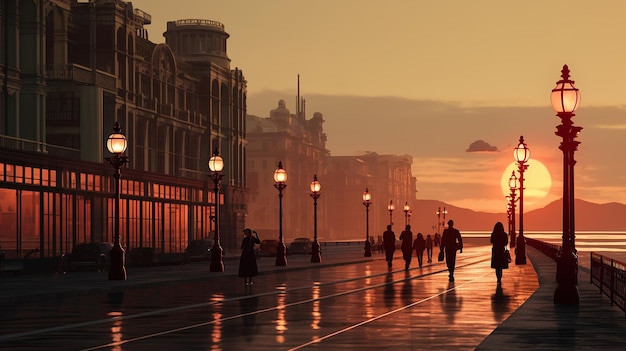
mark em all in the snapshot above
pixel 45 211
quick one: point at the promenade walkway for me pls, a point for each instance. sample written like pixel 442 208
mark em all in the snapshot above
pixel 537 324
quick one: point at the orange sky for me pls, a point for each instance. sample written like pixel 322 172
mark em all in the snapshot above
pixel 429 78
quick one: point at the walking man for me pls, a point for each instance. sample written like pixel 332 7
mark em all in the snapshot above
pixel 389 244
pixel 407 246
pixel 450 242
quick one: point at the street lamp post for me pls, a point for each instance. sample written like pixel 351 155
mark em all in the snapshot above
pixel 565 99
pixel 390 208
pixel 508 215
pixel 216 165
pixel 406 213
pixel 116 144
pixel 280 183
pixel 522 155
pixel 440 214
pixel 315 194
pixel 367 201
pixel 513 185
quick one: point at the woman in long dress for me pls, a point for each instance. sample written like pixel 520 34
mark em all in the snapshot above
pixel 247 263
pixel 499 240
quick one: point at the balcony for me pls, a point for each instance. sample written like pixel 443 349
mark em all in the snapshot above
pixel 81 74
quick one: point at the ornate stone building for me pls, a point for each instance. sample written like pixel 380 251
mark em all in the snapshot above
pixel 68 70
pixel 300 144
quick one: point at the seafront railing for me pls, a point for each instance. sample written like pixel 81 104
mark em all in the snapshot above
pixel 547 249
pixel 610 276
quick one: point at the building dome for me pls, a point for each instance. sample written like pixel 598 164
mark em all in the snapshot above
pixel 281 111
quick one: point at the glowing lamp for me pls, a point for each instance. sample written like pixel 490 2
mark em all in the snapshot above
pixel 565 98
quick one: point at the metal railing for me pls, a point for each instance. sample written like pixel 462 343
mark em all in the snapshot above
pixel 9 142
pixel 607 274
pixel 610 276
pixel 550 250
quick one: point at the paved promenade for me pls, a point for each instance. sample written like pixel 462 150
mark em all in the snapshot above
pixel 540 325
pixel 537 324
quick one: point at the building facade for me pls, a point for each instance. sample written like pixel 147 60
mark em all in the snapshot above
pixel 68 71
pixel 300 144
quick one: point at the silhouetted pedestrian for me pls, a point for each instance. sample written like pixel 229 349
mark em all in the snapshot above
pixel 429 248
pixel 389 244
pixel 419 245
pixel 499 240
pixel 247 263
pixel 407 246
pixel 437 240
pixel 450 242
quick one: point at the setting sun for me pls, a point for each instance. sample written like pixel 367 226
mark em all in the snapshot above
pixel 537 181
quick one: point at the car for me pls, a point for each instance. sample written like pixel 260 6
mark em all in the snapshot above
pixel 300 246
pixel 199 250
pixel 268 247
pixel 90 255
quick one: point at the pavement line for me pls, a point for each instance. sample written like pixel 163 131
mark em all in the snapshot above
pixel 220 320
pixel 388 313
pixel 186 307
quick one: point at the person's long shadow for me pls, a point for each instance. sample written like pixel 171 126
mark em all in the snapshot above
pixel 389 290
pixel 407 289
pixel 247 308
pixel 451 303
pixel 500 304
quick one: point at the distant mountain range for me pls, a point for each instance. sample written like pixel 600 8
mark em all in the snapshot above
pixel 588 217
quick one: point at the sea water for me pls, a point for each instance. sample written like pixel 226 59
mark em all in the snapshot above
pixel 609 244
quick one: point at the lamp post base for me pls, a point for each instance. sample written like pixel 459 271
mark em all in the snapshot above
pixel 520 250
pixel 368 249
pixel 217 264
pixel 118 269
pixel 315 252
pixel 281 259
pixel 566 292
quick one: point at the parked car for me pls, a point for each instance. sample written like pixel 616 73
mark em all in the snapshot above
pixel 92 256
pixel 300 246
pixel 199 250
pixel 268 247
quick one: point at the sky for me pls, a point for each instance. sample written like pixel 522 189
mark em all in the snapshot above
pixel 436 79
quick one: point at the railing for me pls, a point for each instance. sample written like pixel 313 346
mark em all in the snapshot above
pixel 610 276
pixel 200 22
pixel 550 250
pixel 34 146
pixel 80 74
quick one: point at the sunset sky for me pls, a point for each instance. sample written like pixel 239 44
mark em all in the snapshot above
pixel 431 78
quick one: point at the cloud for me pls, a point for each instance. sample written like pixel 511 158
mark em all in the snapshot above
pixel 481 146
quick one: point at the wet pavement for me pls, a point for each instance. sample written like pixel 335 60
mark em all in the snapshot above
pixel 346 302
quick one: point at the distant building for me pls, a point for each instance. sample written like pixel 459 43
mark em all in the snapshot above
pixel 300 144
pixel 393 181
pixel 387 178
pixel 70 69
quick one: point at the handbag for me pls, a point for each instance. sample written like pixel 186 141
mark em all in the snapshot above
pixel 507 255
pixel 440 256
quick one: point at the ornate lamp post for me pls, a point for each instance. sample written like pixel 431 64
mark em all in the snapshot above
pixel 522 155
pixel 441 223
pixel 508 216
pixel 390 208
pixel 315 194
pixel 565 99
pixel 406 210
pixel 513 185
pixel 216 165
pixel 367 201
pixel 116 144
pixel 280 179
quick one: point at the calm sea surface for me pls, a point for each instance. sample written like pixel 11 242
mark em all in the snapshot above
pixel 610 244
